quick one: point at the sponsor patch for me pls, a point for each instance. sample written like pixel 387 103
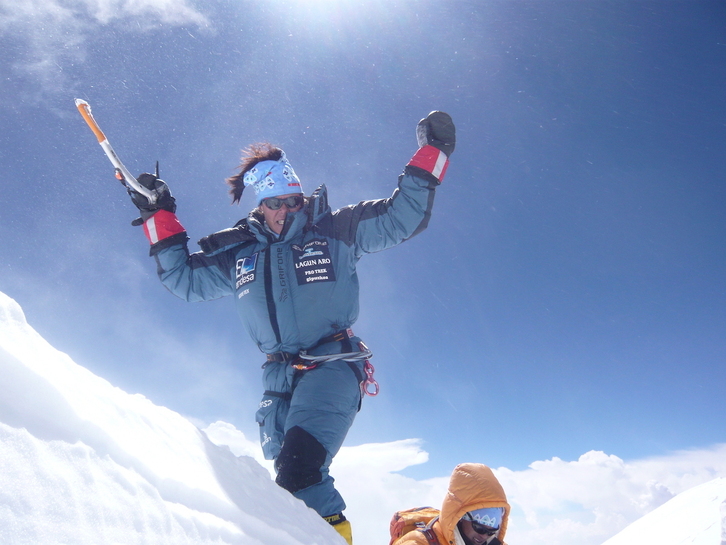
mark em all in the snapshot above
pixel 245 270
pixel 313 263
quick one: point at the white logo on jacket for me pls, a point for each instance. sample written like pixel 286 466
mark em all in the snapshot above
pixel 245 270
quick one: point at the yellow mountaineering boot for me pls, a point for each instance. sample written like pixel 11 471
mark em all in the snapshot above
pixel 342 526
pixel 345 530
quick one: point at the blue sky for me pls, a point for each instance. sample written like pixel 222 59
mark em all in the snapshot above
pixel 570 292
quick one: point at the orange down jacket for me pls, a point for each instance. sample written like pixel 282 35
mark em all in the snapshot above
pixel 472 486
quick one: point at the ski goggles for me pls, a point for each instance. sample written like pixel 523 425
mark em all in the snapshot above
pixel 480 528
pixel 483 530
pixel 275 203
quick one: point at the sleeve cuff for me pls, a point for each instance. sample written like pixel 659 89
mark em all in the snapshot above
pixel 162 225
pixel 432 160
pixel 180 239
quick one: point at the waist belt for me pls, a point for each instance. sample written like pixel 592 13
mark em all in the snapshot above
pixel 280 357
pixel 342 336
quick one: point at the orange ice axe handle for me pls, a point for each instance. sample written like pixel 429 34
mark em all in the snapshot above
pixel 128 179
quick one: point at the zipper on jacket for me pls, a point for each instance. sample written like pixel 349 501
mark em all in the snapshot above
pixel 271 307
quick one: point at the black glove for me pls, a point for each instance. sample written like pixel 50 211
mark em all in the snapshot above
pixel 164 200
pixel 437 129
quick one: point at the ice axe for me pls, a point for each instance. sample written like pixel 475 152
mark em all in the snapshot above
pixel 122 173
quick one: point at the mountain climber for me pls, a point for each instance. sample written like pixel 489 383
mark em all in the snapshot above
pixel 291 267
pixel 474 512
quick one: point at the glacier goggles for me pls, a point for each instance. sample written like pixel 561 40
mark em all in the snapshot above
pixel 480 528
pixel 275 203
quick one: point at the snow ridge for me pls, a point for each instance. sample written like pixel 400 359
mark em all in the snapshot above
pixel 85 462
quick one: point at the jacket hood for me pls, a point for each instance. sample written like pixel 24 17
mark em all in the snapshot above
pixel 472 486
pixel 317 207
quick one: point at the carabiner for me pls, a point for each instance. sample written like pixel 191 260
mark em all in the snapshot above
pixel 369 381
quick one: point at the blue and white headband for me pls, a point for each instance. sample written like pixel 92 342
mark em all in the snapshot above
pixel 489 516
pixel 272 179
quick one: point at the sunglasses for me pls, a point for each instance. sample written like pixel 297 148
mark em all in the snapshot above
pixel 275 203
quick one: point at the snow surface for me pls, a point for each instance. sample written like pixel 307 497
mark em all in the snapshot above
pixel 84 462
pixel 694 517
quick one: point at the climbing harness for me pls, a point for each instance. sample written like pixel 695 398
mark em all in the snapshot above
pixel 306 362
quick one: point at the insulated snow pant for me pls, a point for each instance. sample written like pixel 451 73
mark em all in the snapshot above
pixel 304 417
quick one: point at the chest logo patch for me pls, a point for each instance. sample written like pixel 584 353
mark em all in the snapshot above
pixel 245 270
pixel 312 262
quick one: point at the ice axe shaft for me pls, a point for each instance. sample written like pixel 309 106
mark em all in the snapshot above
pixel 127 178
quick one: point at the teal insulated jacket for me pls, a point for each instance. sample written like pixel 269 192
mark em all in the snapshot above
pixel 293 290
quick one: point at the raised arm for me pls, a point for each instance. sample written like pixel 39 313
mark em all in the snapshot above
pixel 192 277
pixel 376 225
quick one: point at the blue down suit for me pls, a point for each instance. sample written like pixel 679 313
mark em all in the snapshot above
pixel 294 292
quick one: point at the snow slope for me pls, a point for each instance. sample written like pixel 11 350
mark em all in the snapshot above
pixel 84 462
pixel 694 517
